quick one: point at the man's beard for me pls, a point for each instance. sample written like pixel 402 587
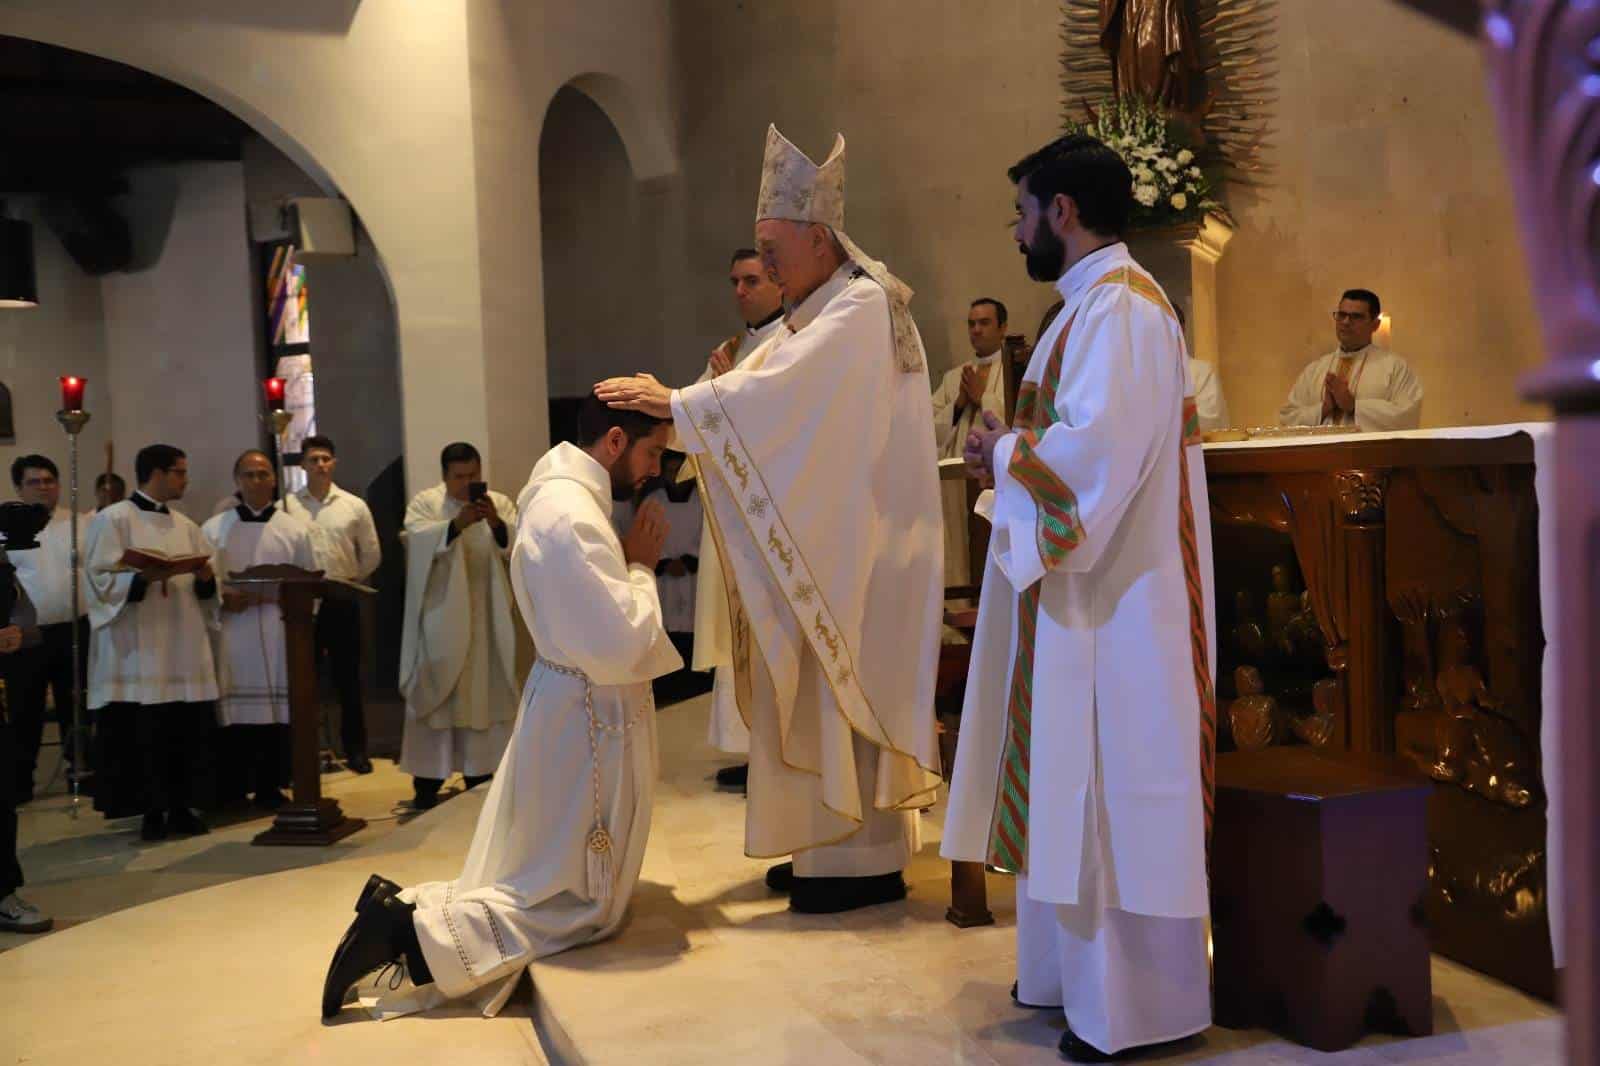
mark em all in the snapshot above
pixel 622 489
pixel 1047 256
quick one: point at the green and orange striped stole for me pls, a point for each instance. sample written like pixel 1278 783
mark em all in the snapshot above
pixel 1058 532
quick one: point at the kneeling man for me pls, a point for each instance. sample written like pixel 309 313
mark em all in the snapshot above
pixel 559 843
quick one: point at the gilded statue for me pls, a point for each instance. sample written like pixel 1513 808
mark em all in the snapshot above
pixel 1317 728
pixel 1151 45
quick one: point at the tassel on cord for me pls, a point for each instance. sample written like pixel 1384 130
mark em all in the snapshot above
pixel 602 868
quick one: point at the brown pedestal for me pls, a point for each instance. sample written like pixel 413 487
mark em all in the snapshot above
pixel 309 817
pixel 1319 869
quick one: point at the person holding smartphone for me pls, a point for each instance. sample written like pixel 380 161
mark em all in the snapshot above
pixel 458 648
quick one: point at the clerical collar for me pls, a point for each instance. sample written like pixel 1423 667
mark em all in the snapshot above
pixel 985 360
pixel 263 515
pixel 145 503
pixel 1087 271
pixel 757 327
pixel 1342 354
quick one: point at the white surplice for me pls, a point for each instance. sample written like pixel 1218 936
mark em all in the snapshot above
pixel 156 650
pixel 525 890
pixel 818 465
pixel 1115 890
pixel 458 647
pixel 1388 395
pixel 1208 399
pixel 713 623
pixel 46 571
pixel 950 432
pixel 252 659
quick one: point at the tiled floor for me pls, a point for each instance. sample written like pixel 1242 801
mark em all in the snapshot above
pixel 211 951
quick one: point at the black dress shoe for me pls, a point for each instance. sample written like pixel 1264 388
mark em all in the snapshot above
pixel 270 800
pixel 359 764
pixel 183 820
pixel 376 938
pixel 835 895
pixel 375 886
pixel 154 827
pixel 733 776
pixel 1076 1049
pixel 780 878
pixel 1027 1006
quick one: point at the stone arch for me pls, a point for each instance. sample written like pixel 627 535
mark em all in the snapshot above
pixel 643 131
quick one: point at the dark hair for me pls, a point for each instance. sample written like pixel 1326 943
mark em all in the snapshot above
pixel 459 452
pixel 999 308
pixel 1094 176
pixel 108 479
pixel 247 453
pixel 743 253
pixel 24 463
pixel 155 457
pixel 1366 296
pixel 595 420
pixel 317 440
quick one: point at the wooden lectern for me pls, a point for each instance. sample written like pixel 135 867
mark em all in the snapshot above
pixel 307 818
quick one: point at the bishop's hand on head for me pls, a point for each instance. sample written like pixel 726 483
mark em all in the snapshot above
pixel 642 392
pixel 641 545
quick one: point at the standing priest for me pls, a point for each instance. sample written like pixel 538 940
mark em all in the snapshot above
pixel 458 649
pixel 1095 600
pixel 252 657
pixel 818 459
pixel 559 843
pixel 151 673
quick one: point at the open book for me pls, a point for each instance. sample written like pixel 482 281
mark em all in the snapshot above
pixel 169 565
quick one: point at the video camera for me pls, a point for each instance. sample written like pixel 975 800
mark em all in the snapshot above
pixel 20 524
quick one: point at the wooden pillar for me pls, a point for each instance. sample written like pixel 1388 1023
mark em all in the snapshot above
pixel 1361 501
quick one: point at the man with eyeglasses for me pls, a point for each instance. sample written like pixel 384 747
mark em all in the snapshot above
pixel 1358 383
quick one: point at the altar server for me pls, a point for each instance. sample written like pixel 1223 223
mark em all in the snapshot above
pixel 1087 729
pixel 458 648
pixel 252 671
pixel 817 456
pixel 152 677
pixel 559 843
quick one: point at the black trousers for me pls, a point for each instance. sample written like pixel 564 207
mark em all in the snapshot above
pixel 30 677
pixel 157 757
pixel 256 758
pixel 339 641
pixel 10 868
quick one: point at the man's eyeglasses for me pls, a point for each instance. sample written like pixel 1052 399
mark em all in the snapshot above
pixel 1349 316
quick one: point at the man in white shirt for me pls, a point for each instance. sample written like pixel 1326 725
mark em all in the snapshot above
pixel 152 676
pixel 1210 405
pixel 347 548
pixel 46 573
pixel 761 309
pixel 1358 383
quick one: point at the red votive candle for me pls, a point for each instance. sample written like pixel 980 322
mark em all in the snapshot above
pixel 72 392
pixel 274 391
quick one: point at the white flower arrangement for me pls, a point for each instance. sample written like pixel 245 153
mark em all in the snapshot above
pixel 1170 185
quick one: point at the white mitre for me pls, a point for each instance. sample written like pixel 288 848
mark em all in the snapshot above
pixel 795 189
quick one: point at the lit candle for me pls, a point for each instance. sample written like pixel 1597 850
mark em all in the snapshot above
pixel 72 392
pixel 1385 336
pixel 274 391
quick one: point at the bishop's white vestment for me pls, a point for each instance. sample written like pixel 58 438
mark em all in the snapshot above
pixel 950 430
pixel 252 658
pixel 713 621
pixel 1388 395
pixel 458 648
pixel 817 461
pixel 1088 724
pixel 582 755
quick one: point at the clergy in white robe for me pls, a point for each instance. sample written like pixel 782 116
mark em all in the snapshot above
pixel 1086 728
pixel 1357 384
pixel 152 677
pixel 252 658
pixel 1210 405
pixel 559 844
pixel 458 645
pixel 818 460
pixel 46 573
pixel 760 305
pixel 967 390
